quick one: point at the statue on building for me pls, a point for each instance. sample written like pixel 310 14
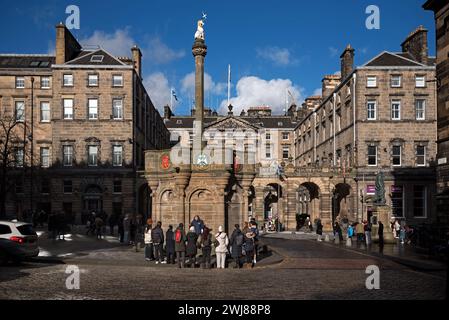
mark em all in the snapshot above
pixel 380 189
pixel 199 35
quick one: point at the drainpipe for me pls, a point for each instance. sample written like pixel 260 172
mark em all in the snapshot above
pixel 314 136
pixel 333 129
pixel 354 147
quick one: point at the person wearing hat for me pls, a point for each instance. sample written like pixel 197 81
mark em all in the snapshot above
pixel 180 245
pixel 222 242
pixel 191 249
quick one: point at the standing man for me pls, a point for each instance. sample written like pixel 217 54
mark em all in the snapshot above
pixel 170 245
pixel 237 240
pixel 157 235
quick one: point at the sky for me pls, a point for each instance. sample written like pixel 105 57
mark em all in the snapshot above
pixel 272 46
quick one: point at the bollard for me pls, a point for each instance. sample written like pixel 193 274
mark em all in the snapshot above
pixel 349 242
pixel 326 238
pixel 337 239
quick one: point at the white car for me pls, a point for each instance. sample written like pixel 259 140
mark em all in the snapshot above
pixel 18 241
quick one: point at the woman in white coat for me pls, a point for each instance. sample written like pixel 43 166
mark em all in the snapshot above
pixel 221 247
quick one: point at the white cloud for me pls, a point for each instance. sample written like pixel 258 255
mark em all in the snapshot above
pixel 253 91
pixel 159 89
pixel 215 88
pixel 159 53
pixel 279 56
pixel 118 43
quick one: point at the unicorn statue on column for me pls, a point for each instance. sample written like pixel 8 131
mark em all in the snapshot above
pixel 200 30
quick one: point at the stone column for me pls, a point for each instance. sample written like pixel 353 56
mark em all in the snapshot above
pixel 199 51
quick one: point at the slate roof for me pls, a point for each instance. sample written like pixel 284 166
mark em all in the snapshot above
pixel 273 122
pixel 388 59
pixel 85 58
pixel 19 61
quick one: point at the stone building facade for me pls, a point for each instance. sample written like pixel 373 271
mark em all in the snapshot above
pixel 441 10
pixel 379 117
pixel 327 172
pixel 92 121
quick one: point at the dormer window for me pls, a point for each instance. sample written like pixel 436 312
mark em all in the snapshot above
pixel 97 58
pixel 178 121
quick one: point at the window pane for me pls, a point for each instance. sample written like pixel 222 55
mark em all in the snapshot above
pixel 395 81
pixel 396 110
pixel 20 82
pixel 68 108
pixel 68 155
pixel 93 109
pixel 45 111
pixel 117 155
pixel 371 82
pixel 45 157
pixel 421 155
pixel 93 150
pixel 117 106
pixel 19 157
pixel 420 81
pixel 20 111
pixel 372 155
pixel 45 82
pixel 397 155
pixel 93 80
pixel 117 81
pixel 397 201
pixel 371 110
pixel 420 106
pixel 68 80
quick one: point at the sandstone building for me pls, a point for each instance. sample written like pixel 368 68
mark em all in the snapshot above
pixel 441 10
pixel 228 176
pixel 92 120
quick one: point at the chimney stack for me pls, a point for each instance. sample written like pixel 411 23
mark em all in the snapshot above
pixel 137 59
pixel 67 47
pixel 416 45
pixel 347 62
pixel 330 82
pixel 167 112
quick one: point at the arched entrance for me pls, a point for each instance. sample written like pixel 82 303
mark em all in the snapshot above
pixel 307 200
pixel 93 198
pixel 144 207
pixel 272 194
pixel 341 201
pixel 202 204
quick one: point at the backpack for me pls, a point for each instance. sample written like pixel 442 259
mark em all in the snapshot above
pixel 156 236
pixel 239 240
pixel 216 242
pixel 178 236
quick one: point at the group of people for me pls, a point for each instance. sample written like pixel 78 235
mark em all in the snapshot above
pixel 184 248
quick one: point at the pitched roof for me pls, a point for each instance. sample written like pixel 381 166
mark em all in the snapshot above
pixel 274 122
pixel 85 58
pixel 21 61
pixel 388 59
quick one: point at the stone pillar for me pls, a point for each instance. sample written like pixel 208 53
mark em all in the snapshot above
pixel 199 51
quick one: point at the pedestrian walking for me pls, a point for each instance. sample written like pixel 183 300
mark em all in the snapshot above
pixel 319 230
pixel 149 255
pixel 157 235
pixel 206 247
pixel 180 245
pixel 191 249
pixel 98 227
pixel 236 241
pixel 380 233
pixel 198 224
pixel 221 247
pixel 170 245
pixel 367 229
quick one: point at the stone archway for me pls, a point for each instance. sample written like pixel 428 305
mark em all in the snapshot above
pixel 202 203
pixel 341 201
pixel 308 200
pixel 272 194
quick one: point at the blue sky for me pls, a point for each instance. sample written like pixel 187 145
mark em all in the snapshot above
pixel 271 45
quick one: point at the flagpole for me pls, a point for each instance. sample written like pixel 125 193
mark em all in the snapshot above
pixel 229 85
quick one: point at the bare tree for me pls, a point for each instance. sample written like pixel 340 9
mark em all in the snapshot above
pixel 11 133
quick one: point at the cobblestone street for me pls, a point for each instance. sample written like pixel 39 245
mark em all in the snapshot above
pixel 308 270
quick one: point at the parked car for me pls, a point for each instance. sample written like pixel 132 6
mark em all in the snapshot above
pixel 18 241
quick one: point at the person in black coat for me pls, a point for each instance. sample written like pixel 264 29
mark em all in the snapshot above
pixel 206 246
pixel 170 245
pixel 236 242
pixel 157 235
pixel 191 249
pixel 319 230
pixel 380 233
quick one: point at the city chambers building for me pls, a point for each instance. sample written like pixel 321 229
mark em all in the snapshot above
pixel 320 159
pixel 75 126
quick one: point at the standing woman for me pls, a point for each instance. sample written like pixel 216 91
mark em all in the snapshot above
pixel 319 230
pixel 249 247
pixel 206 246
pixel 191 249
pixel 221 244
pixel 148 243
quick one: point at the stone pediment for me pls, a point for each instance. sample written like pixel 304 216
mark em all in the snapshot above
pixel 232 123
